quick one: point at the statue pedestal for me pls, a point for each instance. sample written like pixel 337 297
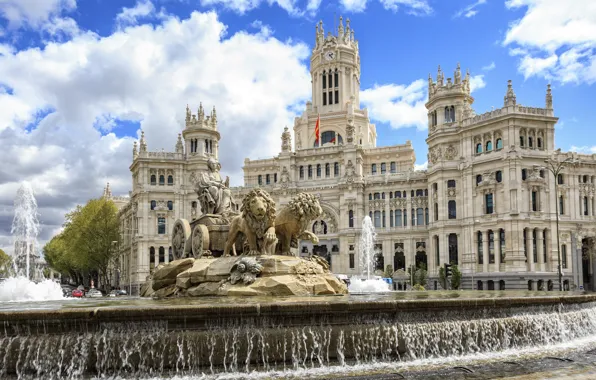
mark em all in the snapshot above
pixel 244 276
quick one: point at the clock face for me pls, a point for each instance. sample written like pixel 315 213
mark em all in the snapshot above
pixel 329 55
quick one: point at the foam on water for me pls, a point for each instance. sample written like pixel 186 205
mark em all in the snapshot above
pixel 22 289
pixel 373 285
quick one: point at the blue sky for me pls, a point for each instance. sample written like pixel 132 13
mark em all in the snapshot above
pixel 80 78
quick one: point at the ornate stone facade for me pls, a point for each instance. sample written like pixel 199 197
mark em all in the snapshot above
pixel 487 202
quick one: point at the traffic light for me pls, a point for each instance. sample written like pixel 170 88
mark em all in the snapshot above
pixel 447 270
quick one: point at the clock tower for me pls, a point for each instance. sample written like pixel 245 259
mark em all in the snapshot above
pixel 335 69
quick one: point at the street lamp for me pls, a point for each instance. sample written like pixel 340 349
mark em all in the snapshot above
pixel 555 167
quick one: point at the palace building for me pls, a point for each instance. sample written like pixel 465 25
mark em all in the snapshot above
pixel 487 202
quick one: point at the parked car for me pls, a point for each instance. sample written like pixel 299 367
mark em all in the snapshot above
pixel 94 293
pixel 122 292
pixel 77 293
pixel 113 293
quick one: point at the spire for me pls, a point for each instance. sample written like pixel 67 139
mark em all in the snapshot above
pixel 457 75
pixel 107 192
pixel 135 153
pixel 143 142
pixel 187 114
pixel 340 28
pixel 430 86
pixel 201 113
pixel 549 98
pixel 179 144
pixel 439 77
pixel 509 99
pixel 214 118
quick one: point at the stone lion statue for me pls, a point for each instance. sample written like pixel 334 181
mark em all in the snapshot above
pixel 255 222
pixel 292 222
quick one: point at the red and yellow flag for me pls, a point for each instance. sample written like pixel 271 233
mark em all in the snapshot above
pixel 318 128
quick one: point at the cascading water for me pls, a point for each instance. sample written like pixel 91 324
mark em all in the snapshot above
pixel 367 282
pixel 29 282
pixel 262 348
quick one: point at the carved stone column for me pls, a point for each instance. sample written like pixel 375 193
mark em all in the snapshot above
pixel 485 251
pixel 530 249
pixel 539 249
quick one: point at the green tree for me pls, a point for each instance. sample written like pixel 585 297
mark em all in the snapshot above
pixel 442 278
pixel 85 244
pixel 421 275
pixel 5 264
pixel 455 277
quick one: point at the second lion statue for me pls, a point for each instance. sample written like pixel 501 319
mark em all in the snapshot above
pixel 256 223
pixel 293 220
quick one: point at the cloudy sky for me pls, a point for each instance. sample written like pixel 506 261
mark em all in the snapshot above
pixel 80 78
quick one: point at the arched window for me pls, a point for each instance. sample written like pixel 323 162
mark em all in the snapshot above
pixel 309 171
pixel 499 176
pixel 318 170
pixel 451 209
pixel 327 170
pixel 383 218
pixel 152 255
pixel 162 255
pixel 162 180
pixel 478 179
pixel 499 143
pixel 301 172
pixel 405 214
pixel 153 204
pixel 539 142
pixel 170 256
pixel 452 113
pixel 335 169
pixel 451 183
pixel 397 194
pixel 479 247
pixel 377 219
pixel 374 168
pixel 336 78
pixel 564 256
pixel 478 148
pixel 351 218
pixel 383 195
pixel 170 180
pixel 489 146
pixel 560 179
pixel 436 212
pixel 426 216
pixel 453 249
pixel 502 285
pixel 521 141
pixel 260 179
pixel 502 242
pixel 328 137
pixel 524 174
pixel 398 218
pixel 479 285
pixel 419 216
pixel 324 82
pixel 161 225
pixel 377 196
pixel 561 205
pixel 153 179
pixel 170 205
pixel 370 196
pixel 392 167
pixel 530 142
pixel 530 285
pixel 491 247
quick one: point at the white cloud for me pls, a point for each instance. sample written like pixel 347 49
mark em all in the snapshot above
pixel 33 12
pixel 583 149
pixel 489 67
pixel 423 166
pixel 470 10
pixel 414 7
pixel 398 105
pixel 131 16
pixel 555 41
pixel 243 6
pixel 60 99
pixel 313 6
pixel 477 82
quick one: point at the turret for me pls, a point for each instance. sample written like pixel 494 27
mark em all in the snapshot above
pixel 549 98
pixel 200 137
pixel 509 99
pixel 135 153
pixel 143 143
pixel 179 144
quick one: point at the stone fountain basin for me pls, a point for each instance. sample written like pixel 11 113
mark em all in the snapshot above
pixel 250 333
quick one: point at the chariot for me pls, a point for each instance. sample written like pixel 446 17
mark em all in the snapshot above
pixel 205 236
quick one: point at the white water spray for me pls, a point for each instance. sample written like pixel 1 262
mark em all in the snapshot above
pixel 367 282
pixel 29 283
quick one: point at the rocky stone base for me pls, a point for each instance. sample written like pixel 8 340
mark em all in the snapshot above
pixel 243 276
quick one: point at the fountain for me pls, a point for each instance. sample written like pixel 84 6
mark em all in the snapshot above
pixel 367 282
pixel 28 282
